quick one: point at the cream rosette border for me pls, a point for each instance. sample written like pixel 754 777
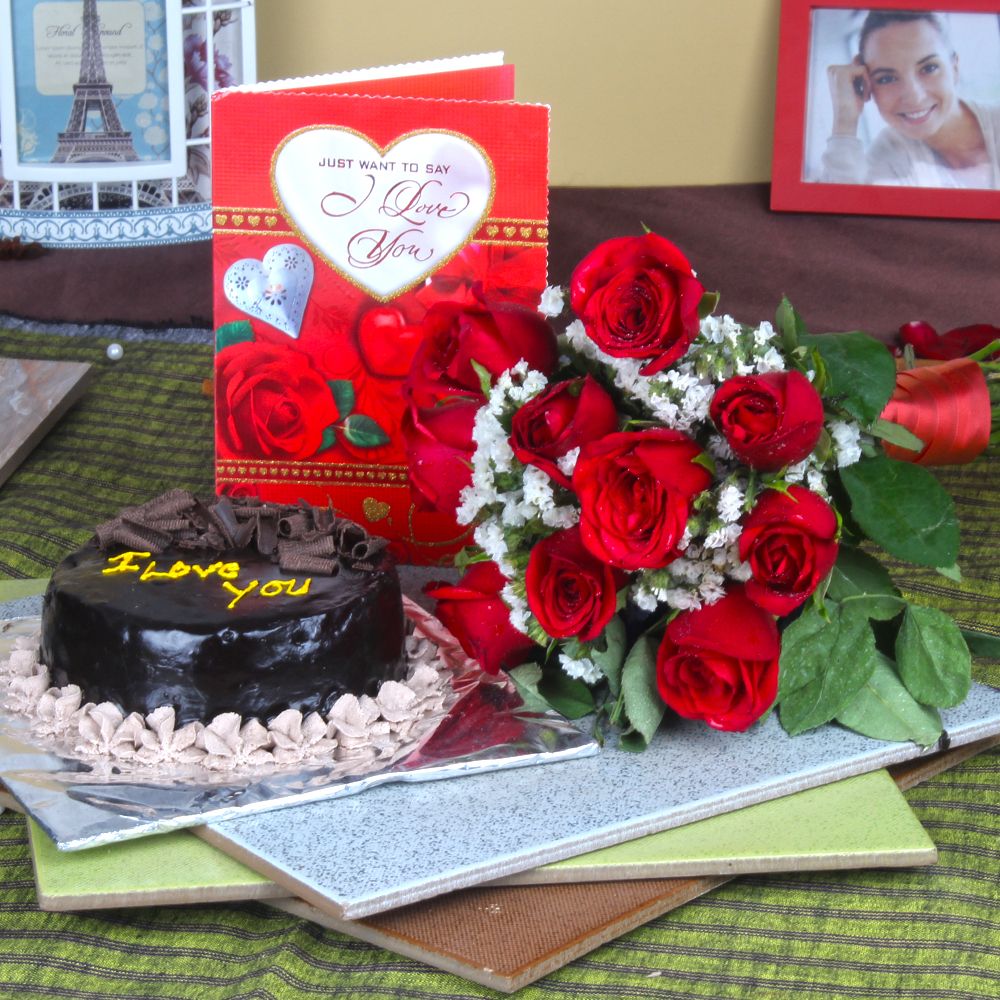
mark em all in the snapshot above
pixel 359 735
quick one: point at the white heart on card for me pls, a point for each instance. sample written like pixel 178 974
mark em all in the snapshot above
pixel 274 289
pixel 385 218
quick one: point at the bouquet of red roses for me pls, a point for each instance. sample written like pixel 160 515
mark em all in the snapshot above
pixel 672 509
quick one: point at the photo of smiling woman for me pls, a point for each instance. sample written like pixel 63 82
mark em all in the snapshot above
pixel 909 98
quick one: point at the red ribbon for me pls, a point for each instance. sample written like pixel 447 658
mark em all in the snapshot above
pixel 947 406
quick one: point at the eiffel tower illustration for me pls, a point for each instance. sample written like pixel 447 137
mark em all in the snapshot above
pixel 92 100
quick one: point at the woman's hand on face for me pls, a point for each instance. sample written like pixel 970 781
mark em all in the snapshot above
pixel 849 89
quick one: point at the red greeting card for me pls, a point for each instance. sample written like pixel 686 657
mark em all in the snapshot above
pixel 343 209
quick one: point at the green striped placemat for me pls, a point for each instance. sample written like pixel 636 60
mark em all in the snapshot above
pixel 143 426
pixel 926 934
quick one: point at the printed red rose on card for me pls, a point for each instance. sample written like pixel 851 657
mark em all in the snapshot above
pixel 344 210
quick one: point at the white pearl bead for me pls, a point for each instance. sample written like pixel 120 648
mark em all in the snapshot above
pixel 115 352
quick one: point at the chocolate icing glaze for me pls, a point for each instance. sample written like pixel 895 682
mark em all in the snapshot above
pixel 143 644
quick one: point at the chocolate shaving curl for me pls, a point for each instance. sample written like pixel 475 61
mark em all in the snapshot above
pixel 139 537
pixel 301 539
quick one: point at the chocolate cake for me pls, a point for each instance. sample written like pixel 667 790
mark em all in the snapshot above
pixel 233 606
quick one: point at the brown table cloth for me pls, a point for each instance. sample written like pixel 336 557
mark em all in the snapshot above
pixel 841 272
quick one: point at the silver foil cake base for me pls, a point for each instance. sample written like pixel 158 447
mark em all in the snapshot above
pixel 84 802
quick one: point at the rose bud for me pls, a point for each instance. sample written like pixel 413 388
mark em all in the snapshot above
pixel 720 663
pixel 638 298
pixel 439 448
pixel 569 591
pixel 496 338
pixel 958 343
pixel 564 417
pixel 476 615
pixel 635 490
pixel 770 420
pixel 271 402
pixel 790 541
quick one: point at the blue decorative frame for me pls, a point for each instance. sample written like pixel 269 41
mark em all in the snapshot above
pixel 214 42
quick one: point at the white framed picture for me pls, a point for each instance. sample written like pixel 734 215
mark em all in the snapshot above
pixel 92 89
pixel 105 116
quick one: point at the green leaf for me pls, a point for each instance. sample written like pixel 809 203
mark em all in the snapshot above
pixel 238 332
pixel 864 581
pixel 798 671
pixel 329 438
pixel 363 432
pixel 884 710
pixel 608 653
pixel 632 741
pixel 707 304
pixel 904 509
pixel 981 643
pixel 895 434
pixel 526 679
pixel 860 370
pixel 643 704
pixel 705 461
pixel 828 665
pixel 952 573
pixel 789 325
pixel 933 659
pixel 567 695
pixel 343 395
pixel 485 379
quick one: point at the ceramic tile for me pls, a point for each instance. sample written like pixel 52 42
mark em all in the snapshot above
pixel 33 397
pixel 395 845
pixel 859 822
pixel 174 868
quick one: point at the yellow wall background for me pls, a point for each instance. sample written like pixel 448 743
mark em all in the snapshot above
pixel 643 92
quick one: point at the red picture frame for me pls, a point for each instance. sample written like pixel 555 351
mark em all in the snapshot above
pixel 800 96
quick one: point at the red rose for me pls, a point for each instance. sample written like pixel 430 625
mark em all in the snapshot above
pixel 720 663
pixel 635 490
pixel 928 343
pixel 495 338
pixel 270 402
pixel 439 450
pixel 564 417
pixel 638 298
pixel 476 615
pixel 569 591
pixel 770 420
pixel 498 274
pixel 790 541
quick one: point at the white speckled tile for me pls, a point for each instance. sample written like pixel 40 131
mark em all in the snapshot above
pixel 398 844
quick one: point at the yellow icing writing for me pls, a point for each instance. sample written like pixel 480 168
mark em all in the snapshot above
pixel 175 572
pixel 225 571
pixel 275 587
pixel 240 594
pixel 123 563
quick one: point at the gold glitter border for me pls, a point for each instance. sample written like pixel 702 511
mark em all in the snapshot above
pixel 312 473
pixel 382 150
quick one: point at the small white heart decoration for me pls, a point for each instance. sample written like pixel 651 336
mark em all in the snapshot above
pixel 387 218
pixel 274 289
